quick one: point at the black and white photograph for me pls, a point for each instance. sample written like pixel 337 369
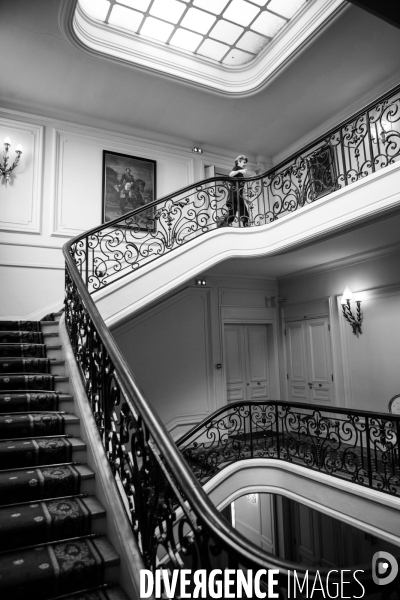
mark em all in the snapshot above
pixel 200 299
pixel 129 182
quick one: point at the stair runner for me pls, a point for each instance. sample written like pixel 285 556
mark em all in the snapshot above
pixel 52 542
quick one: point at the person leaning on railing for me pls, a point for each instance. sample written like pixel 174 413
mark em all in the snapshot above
pixel 236 203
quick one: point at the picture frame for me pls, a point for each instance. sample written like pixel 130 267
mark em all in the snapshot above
pixel 129 182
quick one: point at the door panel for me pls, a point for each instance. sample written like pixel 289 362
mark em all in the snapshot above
pixel 320 363
pixel 246 354
pixel 235 363
pixel 256 361
pixel 296 357
pixel 309 363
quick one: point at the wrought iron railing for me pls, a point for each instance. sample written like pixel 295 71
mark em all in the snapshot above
pixel 358 446
pixel 174 522
pixel 358 147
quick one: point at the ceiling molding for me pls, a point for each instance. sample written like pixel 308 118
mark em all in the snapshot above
pixel 111 43
pixel 341 263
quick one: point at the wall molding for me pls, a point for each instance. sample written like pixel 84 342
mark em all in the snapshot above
pixel 345 333
pixel 132 146
pixel 33 223
pixel 25 265
pixel 183 420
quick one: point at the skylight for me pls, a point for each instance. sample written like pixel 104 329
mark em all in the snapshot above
pixel 232 47
pixel 230 32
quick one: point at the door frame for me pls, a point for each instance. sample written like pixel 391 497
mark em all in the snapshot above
pixel 317 313
pixel 272 349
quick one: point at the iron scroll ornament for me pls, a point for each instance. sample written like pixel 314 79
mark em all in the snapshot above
pixel 360 146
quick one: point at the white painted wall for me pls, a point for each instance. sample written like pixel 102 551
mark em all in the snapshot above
pixel 55 193
pixel 175 346
pixel 366 368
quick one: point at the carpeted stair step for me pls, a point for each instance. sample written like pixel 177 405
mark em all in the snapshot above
pixel 21 337
pixel 44 571
pixel 49 520
pixel 42 382
pixel 23 402
pixel 20 326
pixel 32 365
pixel 24 365
pixel 23 350
pixel 101 593
pixel 20 425
pixel 25 453
pixel 39 483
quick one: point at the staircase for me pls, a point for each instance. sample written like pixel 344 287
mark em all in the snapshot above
pixel 52 527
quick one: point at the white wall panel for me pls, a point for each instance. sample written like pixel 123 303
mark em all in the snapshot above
pixel 21 197
pixel 168 349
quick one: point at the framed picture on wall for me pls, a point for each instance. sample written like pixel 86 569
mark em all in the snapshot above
pixel 129 182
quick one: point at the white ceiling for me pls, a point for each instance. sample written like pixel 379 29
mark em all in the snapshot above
pixel 43 72
pixel 357 244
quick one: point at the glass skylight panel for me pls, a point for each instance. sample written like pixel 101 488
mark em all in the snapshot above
pixel 97 9
pixel 241 12
pixel 156 29
pixel 287 8
pixel 268 24
pixel 263 2
pixel 169 10
pixel 214 6
pixel 187 40
pixel 136 4
pixel 213 49
pixel 227 32
pixel 237 57
pixel 252 42
pixel 125 17
pixel 198 20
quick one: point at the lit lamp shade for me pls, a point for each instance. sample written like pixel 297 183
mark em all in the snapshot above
pixel 347 295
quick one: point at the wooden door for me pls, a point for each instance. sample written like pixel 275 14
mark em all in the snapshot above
pixel 309 360
pixel 246 359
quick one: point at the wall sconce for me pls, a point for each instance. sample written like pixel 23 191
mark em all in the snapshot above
pixel 355 322
pixel 201 282
pixel 198 150
pixel 5 171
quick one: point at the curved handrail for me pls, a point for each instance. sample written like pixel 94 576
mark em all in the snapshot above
pixel 361 145
pixel 355 445
pixel 151 471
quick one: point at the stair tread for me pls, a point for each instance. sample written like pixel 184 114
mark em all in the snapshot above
pixel 107 550
pixel 47 520
pixel 39 566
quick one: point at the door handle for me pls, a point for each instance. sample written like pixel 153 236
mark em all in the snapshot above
pixel 310 385
pixel 258 383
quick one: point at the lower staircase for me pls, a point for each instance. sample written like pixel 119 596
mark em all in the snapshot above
pixel 52 527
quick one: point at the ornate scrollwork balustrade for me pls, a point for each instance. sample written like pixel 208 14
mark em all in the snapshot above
pixel 173 521
pixel 357 446
pixel 358 147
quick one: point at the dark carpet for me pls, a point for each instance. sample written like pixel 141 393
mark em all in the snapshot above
pixel 29 425
pixel 23 350
pixel 25 402
pixel 19 326
pixel 39 483
pixel 26 382
pixel 28 453
pixel 21 337
pixel 40 522
pixel 51 570
pixel 24 365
